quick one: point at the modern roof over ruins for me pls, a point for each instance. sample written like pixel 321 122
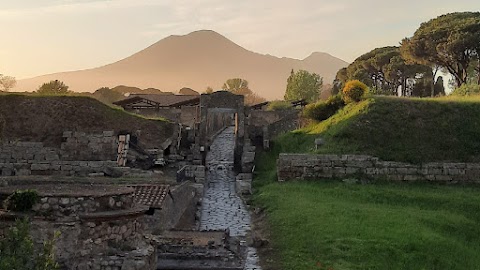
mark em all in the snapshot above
pixel 157 101
pixel 152 196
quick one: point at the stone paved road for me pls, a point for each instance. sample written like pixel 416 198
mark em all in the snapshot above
pixel 222 208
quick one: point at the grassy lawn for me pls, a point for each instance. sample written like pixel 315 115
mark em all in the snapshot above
pixel 334 225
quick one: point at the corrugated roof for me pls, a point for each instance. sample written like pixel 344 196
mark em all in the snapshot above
pixel 151 195
pixel 161 100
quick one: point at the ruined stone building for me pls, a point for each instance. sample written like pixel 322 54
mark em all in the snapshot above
pixel 137 183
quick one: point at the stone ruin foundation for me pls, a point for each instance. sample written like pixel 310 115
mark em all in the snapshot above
pixel 101 226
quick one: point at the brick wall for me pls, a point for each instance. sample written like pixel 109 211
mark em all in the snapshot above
pixel 305 166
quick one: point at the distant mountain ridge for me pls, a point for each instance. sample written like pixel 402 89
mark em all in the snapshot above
pixel 196 60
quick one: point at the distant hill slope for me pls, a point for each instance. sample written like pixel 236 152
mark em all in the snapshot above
pixel 397 129
pixel 44 119
pixel 197 60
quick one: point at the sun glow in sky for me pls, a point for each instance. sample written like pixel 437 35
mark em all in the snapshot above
pixel 47 36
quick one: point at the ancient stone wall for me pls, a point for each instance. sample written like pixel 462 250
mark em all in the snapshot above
pixel 59 206
pixel 189 115
pixel 195 173
pixel 219 110
pixel 80 154
pixel 265 125
pixel 262 118
pixel 54 167
pixel 306 166
pixel 100 226
pixel 288 123
pixel 92 147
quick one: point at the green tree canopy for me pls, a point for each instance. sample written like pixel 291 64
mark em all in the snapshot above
pixel 303 85
pixel 340 78
pixel 7 82
pixel 239 86
pixel 384 70
pixel 451 41
pixel 107 95
pixel 55 87
pixel 236 85
pixel 17 250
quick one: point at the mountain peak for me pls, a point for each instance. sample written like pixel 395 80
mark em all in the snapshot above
pixel 202 35
pixel 195 60
pixel 318 54
pixel 323 56
pixel 204 32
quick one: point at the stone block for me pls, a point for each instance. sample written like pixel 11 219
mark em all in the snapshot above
pixel 113 172
pixel 197 162
pixel 395 177
pixel 339 171
pixel 23 172
pixel 39 157
pixel 371 171
pixel 6 172
pixel 473 166
pixel 66 167
pixel 79 134
pixel 338 163
pixel 95 164
pixel 199 174
pixel 248 157
pixel 435 171
pixel 359 164
pixel 350 170
pixel 413 171
pixel 456 171
pixel 243 187
pixel 109 133
pixel 443 178
pixel 412 178
pixel 40 166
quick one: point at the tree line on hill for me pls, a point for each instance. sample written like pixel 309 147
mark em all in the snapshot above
pixel 449 43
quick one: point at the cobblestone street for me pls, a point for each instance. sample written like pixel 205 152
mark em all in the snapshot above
pixel 222 208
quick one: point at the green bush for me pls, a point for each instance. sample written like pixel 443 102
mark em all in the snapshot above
pixel 278 105
pixel 324 109
pixel 467 90
pixel 17 250
pixel 21 200
pixel 354 91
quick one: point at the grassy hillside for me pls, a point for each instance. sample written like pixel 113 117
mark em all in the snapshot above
pixel 399 129
pixel 45 118
pixel 336 225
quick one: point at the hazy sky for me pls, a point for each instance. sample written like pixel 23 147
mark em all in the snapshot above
pixel 47 36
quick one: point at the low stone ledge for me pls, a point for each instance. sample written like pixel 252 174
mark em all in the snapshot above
pixel 115 215
pixel 308 166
